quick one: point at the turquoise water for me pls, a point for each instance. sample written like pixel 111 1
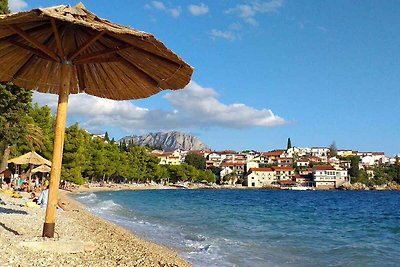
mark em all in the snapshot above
pixel 262 227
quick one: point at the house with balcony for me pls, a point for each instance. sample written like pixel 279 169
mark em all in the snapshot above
pixel 283 173
pixel 327 177
pixel 284 162
pixel 168 158
pixel 271 156
pixel 237 167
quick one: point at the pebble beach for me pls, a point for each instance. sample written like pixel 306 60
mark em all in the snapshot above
pixel 81 239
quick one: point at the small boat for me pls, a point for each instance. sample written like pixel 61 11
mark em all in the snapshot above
pixel 300 188
pixel 181 185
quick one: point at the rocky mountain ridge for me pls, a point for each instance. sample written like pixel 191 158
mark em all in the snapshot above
pixel 167 140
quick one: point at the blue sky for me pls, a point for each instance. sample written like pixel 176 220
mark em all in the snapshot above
pixel 314 71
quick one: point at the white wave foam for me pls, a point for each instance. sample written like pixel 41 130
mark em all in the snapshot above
pixel 108 205
pixel 88 198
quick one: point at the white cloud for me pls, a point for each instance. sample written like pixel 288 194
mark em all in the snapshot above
pixel 17 5
pixel 175 12
pixel 228 35
pixel 198 10
pixel 201 106
pixel 322 29
pixel 158 5
pixel 248 12
pixel 194 107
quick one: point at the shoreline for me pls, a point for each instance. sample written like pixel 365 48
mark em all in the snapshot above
pixel 118 187
pixel 104 243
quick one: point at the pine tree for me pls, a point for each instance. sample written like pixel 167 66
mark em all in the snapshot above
pixel 333 149
pixel 75 156
pixel 15 106
pixel 106 137
pixel 289 143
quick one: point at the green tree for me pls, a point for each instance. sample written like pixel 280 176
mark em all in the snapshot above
pixel 4 7
pixel 354 170
pixel 289 143
pixel 75 154
pixel 43 118
pixel 15 105
pixel 106 137
pixel 208 176
pixel 195 160
pixel 231 177
pixel 333 149
pixel 161 173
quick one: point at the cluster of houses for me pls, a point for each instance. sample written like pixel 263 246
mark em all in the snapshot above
pixel 310 167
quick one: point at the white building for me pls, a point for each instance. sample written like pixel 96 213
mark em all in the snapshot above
pixel 259 177
pixel 326 176
pixel 302 163
pixel 346 152
pixel 225 171
pixel 320 152
pixel 252 165
pixel 283 173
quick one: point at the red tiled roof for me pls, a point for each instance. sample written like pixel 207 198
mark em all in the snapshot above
pixel 232 164
pixel 163 154
pixel 324 168
pixel 261 170
pixel 224 152
pixel 302 160
pixel 274 153
pixel 282 168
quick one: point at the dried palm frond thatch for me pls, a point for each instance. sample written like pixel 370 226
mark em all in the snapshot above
pixel 109 60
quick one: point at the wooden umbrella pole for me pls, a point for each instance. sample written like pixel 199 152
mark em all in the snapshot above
pixel 29 178
pixel 49 224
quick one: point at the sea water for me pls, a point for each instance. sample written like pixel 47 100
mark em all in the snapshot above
pixel 261 227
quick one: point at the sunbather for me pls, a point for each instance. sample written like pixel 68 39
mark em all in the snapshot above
pixel 43 198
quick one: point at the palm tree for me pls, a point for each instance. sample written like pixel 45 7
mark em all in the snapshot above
pixel 34 137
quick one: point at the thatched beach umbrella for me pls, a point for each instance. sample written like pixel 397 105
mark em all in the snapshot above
pixel 68 50
pixel 31 158
pixel 42 169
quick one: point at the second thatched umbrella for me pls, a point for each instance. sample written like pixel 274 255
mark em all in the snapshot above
pixel 31 158
pixel 42 169
pixel 68 50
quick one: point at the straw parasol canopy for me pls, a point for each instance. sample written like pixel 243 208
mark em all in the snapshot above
pixel 41 168
pixel 31 158
pixel 109 60
pixel 68 50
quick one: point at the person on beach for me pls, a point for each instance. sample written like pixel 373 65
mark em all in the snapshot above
pixel 34 198
pixel 7 176
pixel 62 205
pixel 44 197
pixel 4 186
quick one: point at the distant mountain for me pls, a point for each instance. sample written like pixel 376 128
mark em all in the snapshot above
pixel 167 141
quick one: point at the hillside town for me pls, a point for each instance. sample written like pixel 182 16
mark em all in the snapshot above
pixel 292 168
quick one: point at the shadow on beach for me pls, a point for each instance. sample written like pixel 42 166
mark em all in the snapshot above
pixel 12 211
pixel 9 229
